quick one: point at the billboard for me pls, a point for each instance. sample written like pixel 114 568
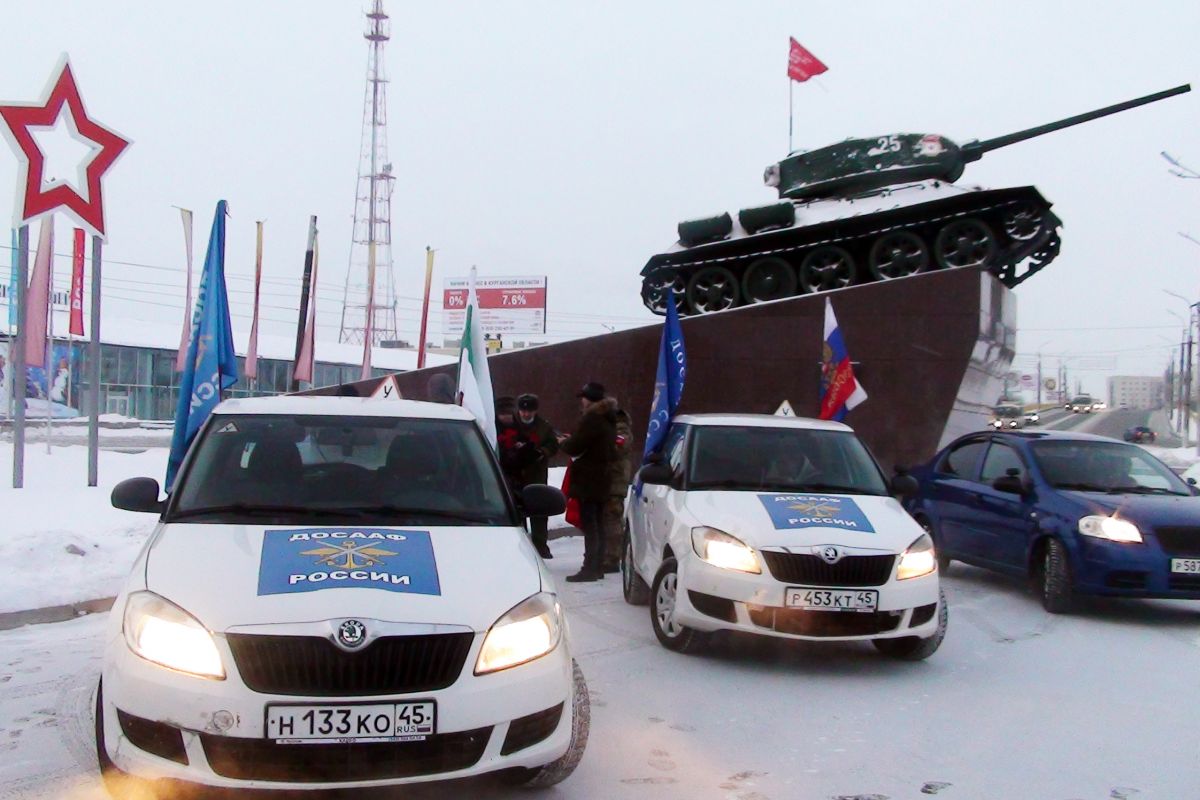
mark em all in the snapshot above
pixel 506 305
pixel 46 392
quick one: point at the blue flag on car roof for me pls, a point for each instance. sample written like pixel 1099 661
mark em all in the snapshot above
pixel 211 364
pixel 668 382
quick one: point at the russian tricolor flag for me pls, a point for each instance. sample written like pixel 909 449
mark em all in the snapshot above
pixel 840 391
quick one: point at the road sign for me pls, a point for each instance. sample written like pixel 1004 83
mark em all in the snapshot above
pixel 1028 381
pixel 387 390
pixel 506 305
pixel 785 410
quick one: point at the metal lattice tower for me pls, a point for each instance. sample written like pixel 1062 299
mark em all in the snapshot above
pixel 369 300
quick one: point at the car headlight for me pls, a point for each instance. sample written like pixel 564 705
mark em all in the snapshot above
pixel 1111 528
pixel 163 633
pixel 530 630
pixel 722 550
pixel 917 560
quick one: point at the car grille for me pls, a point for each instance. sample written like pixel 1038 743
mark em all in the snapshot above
pixel 314 666
pixel 1180 541
pixel 812 570
pixel 825 623
pixel 264 760
pixel 1184 583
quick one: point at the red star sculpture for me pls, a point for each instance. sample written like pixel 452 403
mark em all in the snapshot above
pixel 32 201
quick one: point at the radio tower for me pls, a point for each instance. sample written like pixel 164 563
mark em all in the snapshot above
pixel 369 299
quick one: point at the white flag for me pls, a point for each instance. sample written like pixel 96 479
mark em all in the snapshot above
pixel 474 379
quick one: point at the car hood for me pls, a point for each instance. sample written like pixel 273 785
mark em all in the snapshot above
pixel 235 575
pixel 787 520
pixel 1144 510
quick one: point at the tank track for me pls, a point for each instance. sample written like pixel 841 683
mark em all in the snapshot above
pixel 1010 232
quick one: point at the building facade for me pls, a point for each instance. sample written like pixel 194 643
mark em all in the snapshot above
pixel 1136 391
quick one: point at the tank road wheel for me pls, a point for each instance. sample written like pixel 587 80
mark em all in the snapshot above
pixel 712 289
pixel 1022 223
pixel 655 287
pixel 965 243
pixel 769 279
pixel 898 254
pixel 828 267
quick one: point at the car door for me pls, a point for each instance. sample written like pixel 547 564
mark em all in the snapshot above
pixel 1003 519
pixel 951 494
pixel 650 509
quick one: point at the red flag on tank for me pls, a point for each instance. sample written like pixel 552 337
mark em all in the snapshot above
pixel 802 64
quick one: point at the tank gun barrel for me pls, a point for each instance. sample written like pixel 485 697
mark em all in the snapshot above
pixel 973 151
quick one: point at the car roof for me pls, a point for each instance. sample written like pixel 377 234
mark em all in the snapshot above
pixel 762 421
pixel 304 405
pixel 1051 436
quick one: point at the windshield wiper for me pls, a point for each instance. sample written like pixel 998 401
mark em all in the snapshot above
pixel 1082 487
pixel 1143 490
pixel 407 511
pixel 250 509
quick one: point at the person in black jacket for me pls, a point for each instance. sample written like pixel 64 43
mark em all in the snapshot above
pixel 535 445
pixel 593 446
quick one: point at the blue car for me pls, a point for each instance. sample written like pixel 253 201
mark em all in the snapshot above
pixel 1076 514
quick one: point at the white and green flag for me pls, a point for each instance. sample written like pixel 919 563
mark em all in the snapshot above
pixel 474 380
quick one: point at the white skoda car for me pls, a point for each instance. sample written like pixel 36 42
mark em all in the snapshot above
pixel 339 593
pixel 782 527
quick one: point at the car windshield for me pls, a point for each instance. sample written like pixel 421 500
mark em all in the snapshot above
pixel 340 470
pixel 1105 467
pixel 781 459
pixel 1008 411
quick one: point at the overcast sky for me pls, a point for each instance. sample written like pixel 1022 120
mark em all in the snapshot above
pixel 568 139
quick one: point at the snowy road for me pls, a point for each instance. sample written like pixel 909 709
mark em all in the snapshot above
pixel 1016 704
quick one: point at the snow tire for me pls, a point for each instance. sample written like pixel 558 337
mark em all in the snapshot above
pixel 671 634
pixel 914 648
pixel 561 768
pixel 1057 594
pixel 636 592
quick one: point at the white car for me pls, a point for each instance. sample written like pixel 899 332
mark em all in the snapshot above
pixel 782 527
pixel 339 593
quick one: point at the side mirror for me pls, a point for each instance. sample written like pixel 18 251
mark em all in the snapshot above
pixel 1010 482
pixel 1191 481
pixel 658 474
pixel 137 494
pixel 905 485
pixel 540 500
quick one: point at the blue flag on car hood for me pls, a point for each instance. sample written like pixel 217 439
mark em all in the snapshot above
pixel 211 364
pixel 668 381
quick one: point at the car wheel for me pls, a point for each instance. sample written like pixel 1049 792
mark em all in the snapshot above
pixel 1058 597
pixel 670 633
pixel 943 561
pixel 119 785
pixel 916 648
pixel 636 592
pixel 561 768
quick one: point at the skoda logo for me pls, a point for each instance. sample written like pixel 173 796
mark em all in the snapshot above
pixel 830 554
pixel 351 633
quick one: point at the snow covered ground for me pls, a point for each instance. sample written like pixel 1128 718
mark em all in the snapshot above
pixel 1016 704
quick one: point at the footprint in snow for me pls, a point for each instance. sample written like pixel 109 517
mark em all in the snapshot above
pixel 1122 793
pixel 933 787
pixel 661 760
pixel 860 797
pixel 656 781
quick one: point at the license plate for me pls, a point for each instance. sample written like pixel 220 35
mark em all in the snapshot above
pixel 831 599
pixel 1188 566
pixel 352 723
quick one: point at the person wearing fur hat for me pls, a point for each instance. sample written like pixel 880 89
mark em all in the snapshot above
pixel 593 446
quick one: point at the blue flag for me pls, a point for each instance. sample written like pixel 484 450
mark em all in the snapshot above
pixel 668 381
pixel 12 287
pixel 211 365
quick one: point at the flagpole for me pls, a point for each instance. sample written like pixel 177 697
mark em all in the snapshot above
pixel 301 329
pixel 94 369
pixel 17 354
pixel 791 88
pixel 425 307
pixel 49 349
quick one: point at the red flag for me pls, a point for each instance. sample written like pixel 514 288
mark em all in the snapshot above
pixel 251 370
pixel 802 64
pixel 37 301
pixel 76 328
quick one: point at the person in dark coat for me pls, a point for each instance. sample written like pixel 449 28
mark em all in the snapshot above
pixel 506 437
pixel 536 444
pixel 440 388
pixel 593 446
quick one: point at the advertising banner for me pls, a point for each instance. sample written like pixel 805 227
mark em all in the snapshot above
pixel 506 305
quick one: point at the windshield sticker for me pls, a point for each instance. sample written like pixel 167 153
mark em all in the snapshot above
pixel 815 511
pixel 310 559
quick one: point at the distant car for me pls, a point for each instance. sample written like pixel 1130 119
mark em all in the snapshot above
pixel 1077 514
pixel 782 527
pixel 1007 417
pixel 1140 434
pixel 337 594
pixel 1082 405
pixel 1032 417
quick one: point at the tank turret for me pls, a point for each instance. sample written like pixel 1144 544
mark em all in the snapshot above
pixel 865 209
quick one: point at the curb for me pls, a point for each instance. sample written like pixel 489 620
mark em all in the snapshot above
pixel 38 616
